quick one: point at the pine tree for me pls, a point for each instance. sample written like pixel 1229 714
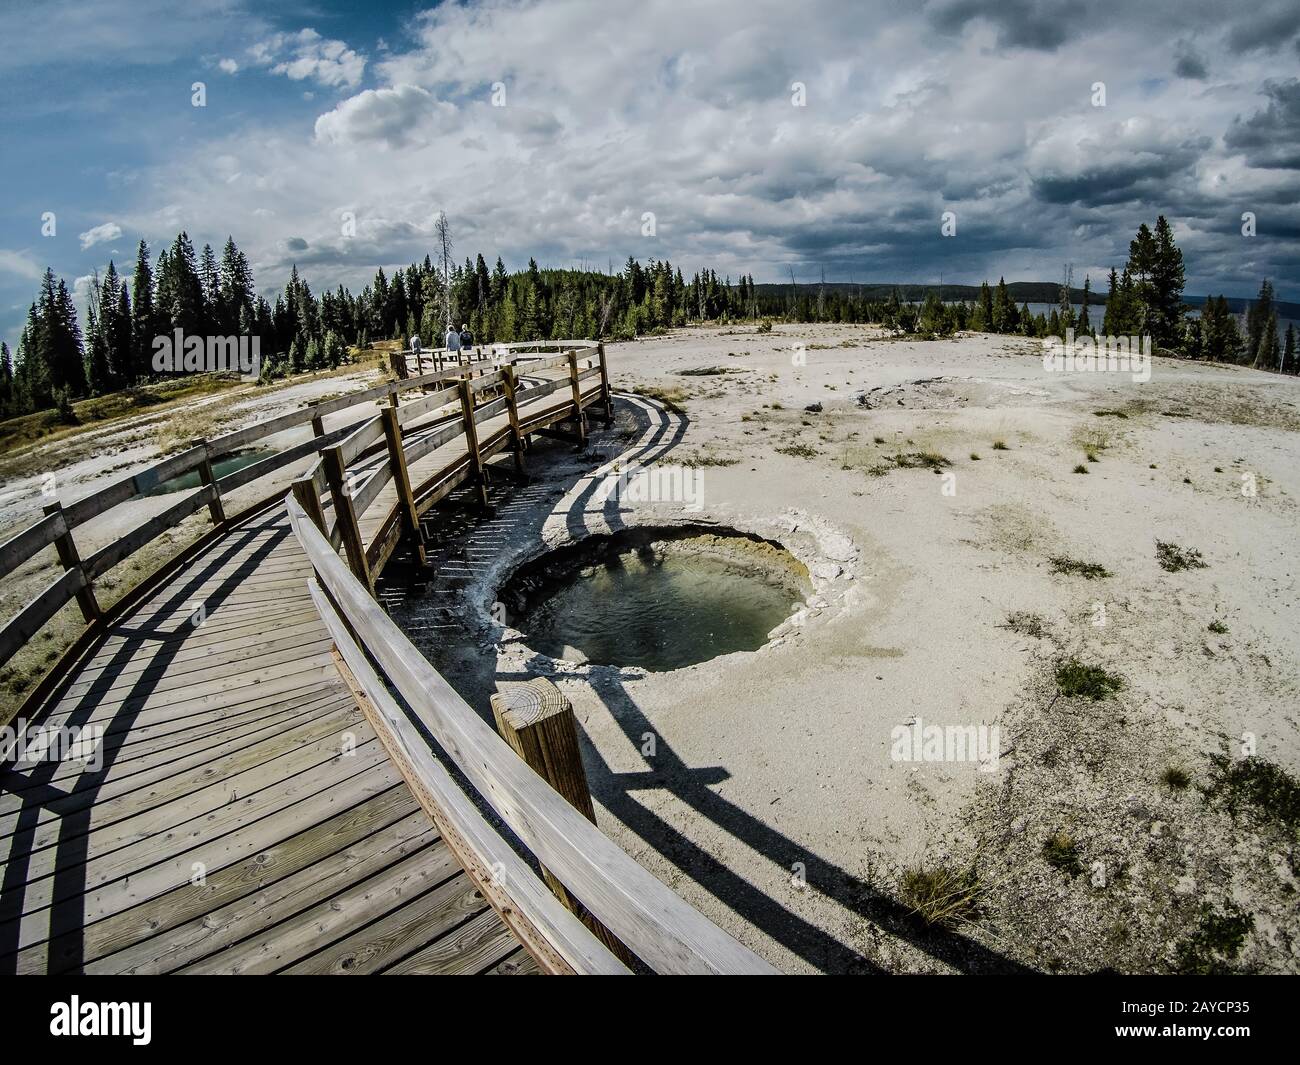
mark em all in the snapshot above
pixel 1167 277
pixel 98 378
pixel 1110 318
pixel 1004 311
pixel 210 287
pixel 236 282
pixel 7 398
pixel 1258 316
pixel 1085 326
pixel 1288 351
pixel 57 340
pixel 144 324
pixel 179 298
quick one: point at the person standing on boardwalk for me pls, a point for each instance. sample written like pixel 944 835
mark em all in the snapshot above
pixel 466 339
pixel 452 343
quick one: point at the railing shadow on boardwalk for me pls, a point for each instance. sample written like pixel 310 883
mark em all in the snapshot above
pixel 657 433
pixel 66 906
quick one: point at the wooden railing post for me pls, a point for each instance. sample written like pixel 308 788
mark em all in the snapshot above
pixel 346 515
pixel 471 439
pixel 576 389
pixel 402 481
pixel 207 477
pixel 508 385
pixel 604 383
pixel 537 721
pixel 317 426
pixel 304 491
pixel 71 559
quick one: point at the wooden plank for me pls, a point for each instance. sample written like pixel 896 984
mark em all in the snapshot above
pixel 205 936
pixel 520 963
pixel 261 468
pixel 475 945
pixel 653 922
pixel 510 386
pixel 385 542
pixel 491 410
pixel 138 873
pixel 369 432
pixel 139 765
pixel 414 925
pixel 19 548
pixel 489 380
pixel 576 393
pixel 604 382
pixel 251 878
pixel 29 621
pixel 418 408
pixel 202 811
pixel 420 446
pixel 240 438
pixel 365 492
pixel 536 392
pixel 358 904
pixel 120 819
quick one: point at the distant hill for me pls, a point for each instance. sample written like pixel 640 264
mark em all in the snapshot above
pixel 1021 292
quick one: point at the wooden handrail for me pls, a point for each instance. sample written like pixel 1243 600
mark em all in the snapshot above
pixel 660 928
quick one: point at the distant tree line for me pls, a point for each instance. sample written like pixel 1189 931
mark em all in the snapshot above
pixel 206 295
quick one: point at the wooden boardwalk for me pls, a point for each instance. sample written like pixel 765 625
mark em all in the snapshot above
pixel 244 819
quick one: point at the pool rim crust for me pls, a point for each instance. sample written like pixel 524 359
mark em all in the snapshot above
pixel 827 554
pixel 761 559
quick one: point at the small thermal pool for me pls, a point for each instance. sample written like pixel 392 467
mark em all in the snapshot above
pixel 657 598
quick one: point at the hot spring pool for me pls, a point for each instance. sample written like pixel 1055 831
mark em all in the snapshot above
pixel 656 598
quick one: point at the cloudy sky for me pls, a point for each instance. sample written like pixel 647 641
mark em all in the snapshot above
pixel 389 112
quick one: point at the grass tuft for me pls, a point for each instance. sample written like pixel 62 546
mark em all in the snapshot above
pixel 941 895
pixel 1075 680
pixel 1090 570
pixel 1216 942
pixel 1174 558
pixel 1062 852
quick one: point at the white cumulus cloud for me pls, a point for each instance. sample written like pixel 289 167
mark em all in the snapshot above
pixel 306 54
pixel 100 234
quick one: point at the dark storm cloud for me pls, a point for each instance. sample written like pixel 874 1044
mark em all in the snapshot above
pixel 1122 178
pixel 1265 26
pixel 1020 23
pixel 1188 63
pixel 1270 138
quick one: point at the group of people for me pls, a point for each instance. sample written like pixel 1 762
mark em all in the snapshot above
pixel 457 340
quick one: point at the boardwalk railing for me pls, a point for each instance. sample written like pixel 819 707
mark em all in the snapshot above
pixel 482 415
pixel 657 926
pixel 80 570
